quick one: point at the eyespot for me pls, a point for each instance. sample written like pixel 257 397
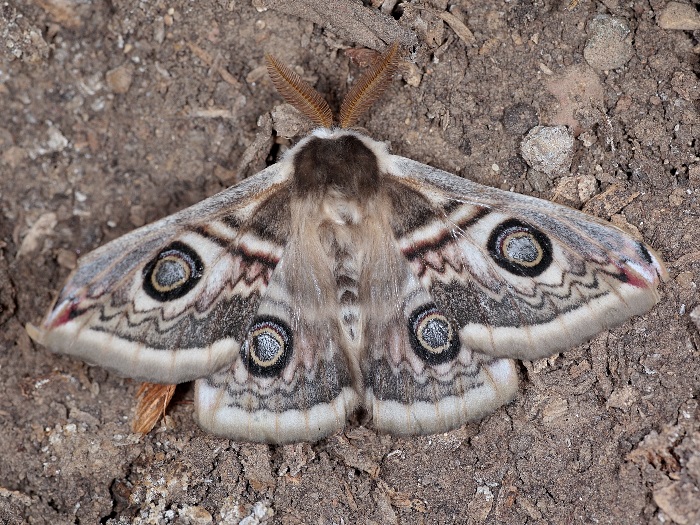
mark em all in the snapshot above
pixel 172 273
pixel 432 335
pixel 520 248
pixel 267 347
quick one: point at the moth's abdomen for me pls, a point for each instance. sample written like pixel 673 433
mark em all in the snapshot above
pixel 340 234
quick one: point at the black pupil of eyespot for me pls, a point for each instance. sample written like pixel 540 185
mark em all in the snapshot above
pixel 522 249
pixel 170 272
pixel 435 333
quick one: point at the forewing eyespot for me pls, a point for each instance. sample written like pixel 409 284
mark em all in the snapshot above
pixel 520 248
pixel 172 273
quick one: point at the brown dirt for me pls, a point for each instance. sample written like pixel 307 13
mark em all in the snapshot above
pixel 116 113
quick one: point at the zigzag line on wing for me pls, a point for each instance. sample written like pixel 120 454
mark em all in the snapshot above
pixel 238 246
pixel 201 310
pixel 482 307
pixel 440 263
pixel 156 315
pixel 253 269
pixel 551 291
pixel 302 392
pixel 107 313
pixel 227 318
pixel 255 263
pixel 401 383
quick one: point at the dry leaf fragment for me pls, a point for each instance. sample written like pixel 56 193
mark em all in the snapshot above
pixel 154 399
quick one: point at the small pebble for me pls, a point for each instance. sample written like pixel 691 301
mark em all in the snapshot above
pixel 410 73
pixel 695 316
pixel 566 192
pixel 159 30
pixel 679 16
pixel 587 138
pixel 538 180
pixel 677 197
pixel 137 215
pixel 57 140
pixel 549 149
pixel 195 515
pixel 260 6
pixel 587 186
pixel 119 79
pixel 608 46
pixel 288 122
pixel 694 175
pixel 67 259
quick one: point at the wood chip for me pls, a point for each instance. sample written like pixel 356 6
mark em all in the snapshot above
pixel 205 57
pixel 459 27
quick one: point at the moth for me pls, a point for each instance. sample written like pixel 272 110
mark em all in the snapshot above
pixel 345 280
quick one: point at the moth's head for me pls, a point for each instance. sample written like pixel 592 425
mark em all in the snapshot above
pixel 359 99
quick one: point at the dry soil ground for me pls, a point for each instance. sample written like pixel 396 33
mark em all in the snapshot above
pixel 116 113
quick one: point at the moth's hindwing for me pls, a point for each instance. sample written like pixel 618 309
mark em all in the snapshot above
pixel 297 377
pixel 419 375
pixel 292 380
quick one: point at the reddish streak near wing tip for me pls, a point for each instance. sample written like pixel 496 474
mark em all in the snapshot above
pixel 634 278
pixel 65 314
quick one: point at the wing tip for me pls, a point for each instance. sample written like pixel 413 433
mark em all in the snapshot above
pixel 36 334
pixel 648 273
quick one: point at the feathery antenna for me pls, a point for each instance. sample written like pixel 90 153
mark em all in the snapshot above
pixel 298 93
pixel 369 87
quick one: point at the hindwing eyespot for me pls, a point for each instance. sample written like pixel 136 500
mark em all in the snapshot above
pixel 432 335
pixel 267 347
